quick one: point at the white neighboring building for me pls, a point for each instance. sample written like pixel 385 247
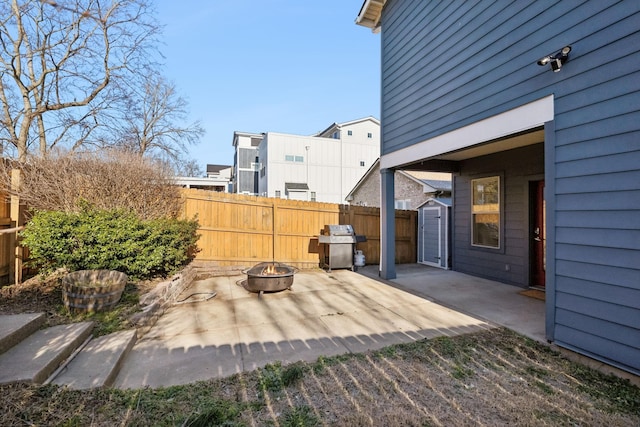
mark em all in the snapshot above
pixel 322 167
pixel 218 179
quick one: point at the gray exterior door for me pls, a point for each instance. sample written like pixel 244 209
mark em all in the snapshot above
pixel 431 231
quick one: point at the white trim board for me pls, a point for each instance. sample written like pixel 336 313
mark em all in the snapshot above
pixel 525 117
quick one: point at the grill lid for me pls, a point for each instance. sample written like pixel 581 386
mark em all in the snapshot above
pixel 340 233
pixel 339 230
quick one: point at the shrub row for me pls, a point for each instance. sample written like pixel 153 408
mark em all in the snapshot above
pixel 109 239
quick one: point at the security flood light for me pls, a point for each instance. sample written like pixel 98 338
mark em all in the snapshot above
pixel 557 59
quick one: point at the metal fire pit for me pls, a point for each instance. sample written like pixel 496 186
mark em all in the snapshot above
pixel 269 277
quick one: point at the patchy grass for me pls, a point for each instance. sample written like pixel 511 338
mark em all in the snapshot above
pixel 494 377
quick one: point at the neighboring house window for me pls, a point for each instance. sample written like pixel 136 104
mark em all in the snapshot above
pixel 403 204
pixel 278 193
pixel 369 135
pixel 361 162
pixel 292 158
pixel 349 133
pixel 313 196
pixel 485 212
pixel 336 135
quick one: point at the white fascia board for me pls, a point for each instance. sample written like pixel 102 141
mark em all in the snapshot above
pixel 528 116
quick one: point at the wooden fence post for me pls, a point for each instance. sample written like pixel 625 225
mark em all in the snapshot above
pixel 274 226
pixel 15 268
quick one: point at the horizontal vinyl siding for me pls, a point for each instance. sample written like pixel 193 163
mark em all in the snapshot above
pixel 449 64
pixel 598 201
pixel 481 63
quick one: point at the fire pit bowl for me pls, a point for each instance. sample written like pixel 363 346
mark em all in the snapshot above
pixel 269 277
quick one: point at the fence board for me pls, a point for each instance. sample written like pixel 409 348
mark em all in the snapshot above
pixel 240 230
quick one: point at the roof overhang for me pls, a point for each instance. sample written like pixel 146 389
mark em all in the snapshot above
pixel 370 14
pixel 519 127
pixel 295 186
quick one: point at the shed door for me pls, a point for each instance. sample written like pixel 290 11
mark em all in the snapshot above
pixel 432 244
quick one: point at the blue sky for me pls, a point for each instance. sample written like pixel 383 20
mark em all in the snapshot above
pixel 289 66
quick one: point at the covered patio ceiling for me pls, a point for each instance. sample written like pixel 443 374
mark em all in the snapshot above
pixel 447 162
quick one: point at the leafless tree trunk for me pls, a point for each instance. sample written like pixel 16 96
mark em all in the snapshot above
pixel 57 59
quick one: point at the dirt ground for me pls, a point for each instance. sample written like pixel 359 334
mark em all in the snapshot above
pixel 40 294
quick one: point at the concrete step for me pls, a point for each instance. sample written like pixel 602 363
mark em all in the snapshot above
pixel 98 363
pixel 16 327
pixel 38 355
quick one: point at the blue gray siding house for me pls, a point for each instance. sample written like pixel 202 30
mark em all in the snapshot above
pixel 543 142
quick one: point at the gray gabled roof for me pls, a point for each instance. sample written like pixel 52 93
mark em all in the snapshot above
pixel 437 184
pixel 337 126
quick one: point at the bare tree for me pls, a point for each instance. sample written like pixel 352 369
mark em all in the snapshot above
pixel 154 121
pixel 188 167
pixel 58 62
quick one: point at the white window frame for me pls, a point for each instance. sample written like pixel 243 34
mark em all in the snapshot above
pixel 404 204
pixel 482 206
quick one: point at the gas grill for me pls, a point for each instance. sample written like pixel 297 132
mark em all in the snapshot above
pixel 339 246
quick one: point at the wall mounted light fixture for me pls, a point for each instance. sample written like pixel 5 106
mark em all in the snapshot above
pixel 557 59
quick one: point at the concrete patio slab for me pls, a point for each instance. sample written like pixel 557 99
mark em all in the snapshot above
pixel 324 314
pixel 203 316
pixel 287 341
pixel 182 360
pixel 435 320
pixel 484 299
pixel 371 329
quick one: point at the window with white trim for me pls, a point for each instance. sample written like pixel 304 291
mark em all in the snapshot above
pixel 292 158
pixel 403 204
pixel 485 212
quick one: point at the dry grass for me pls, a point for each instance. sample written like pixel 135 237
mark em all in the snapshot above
pixel 486 379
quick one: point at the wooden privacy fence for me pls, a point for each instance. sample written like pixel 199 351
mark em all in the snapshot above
pixel 12 219
pixel 239 230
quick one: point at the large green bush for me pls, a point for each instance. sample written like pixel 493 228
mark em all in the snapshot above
pixel 109 239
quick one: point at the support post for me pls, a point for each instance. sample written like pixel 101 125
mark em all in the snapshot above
pixel 15 267
pixel 387 225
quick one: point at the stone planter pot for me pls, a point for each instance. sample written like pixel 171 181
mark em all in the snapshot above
pixel 88 291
